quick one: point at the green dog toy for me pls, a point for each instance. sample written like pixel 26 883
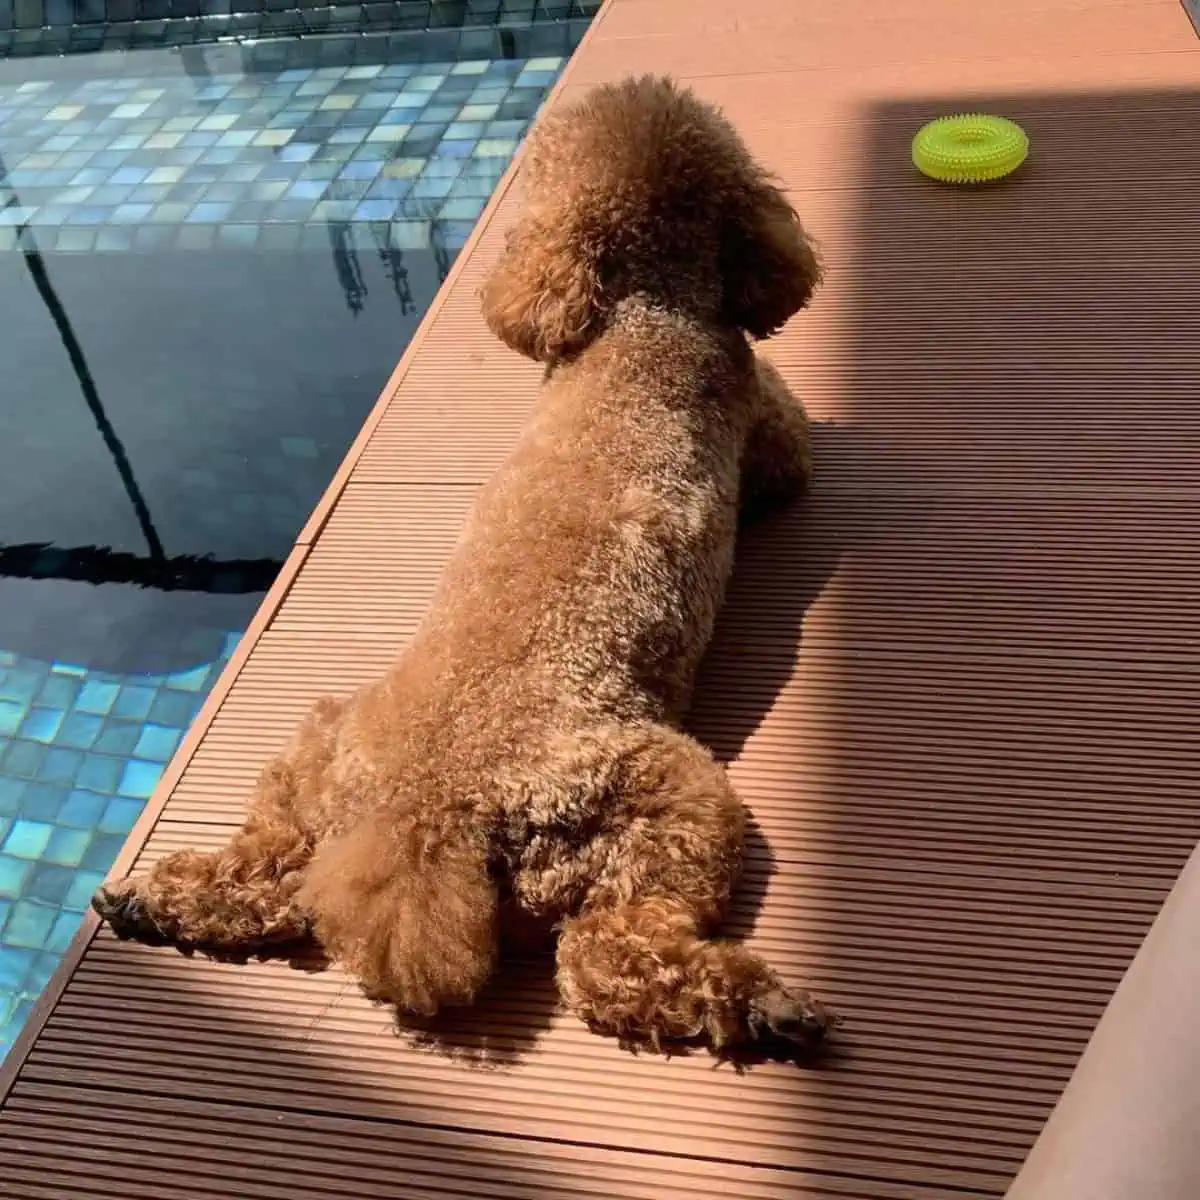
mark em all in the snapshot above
pixel 969 148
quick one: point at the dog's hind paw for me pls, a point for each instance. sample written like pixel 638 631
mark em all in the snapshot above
pixel 792 1016
pixel 122 908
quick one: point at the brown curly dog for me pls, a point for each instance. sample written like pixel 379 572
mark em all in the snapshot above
pixel 525 754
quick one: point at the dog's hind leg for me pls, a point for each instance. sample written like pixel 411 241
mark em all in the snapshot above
pixel 638 960
pixel 236 899
pixel 777 462
pixel 239 898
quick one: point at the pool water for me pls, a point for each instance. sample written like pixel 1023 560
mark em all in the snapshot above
pixel 210 262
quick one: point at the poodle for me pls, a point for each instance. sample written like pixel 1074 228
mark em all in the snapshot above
pixel 525 756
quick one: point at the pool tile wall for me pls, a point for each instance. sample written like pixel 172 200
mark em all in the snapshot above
pixel 406 153
pixel 33 27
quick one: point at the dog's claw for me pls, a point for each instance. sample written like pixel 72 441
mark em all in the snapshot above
pixel 126 915
pixel 107 905
pixel 793 1016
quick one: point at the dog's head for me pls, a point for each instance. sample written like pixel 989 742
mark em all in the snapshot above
pixel 641 188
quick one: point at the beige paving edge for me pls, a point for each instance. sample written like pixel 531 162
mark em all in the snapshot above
pixel 1125 1124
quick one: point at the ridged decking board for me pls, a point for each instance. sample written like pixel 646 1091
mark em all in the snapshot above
pixel 956 687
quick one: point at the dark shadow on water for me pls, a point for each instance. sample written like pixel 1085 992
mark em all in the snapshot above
pixel 348 240
pixel 101 564
pixel 223 389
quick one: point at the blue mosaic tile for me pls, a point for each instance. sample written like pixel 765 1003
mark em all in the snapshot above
pixel 65 927
pixel 60 764
pixel 27 839
pixel 11 791
pixel 463 209
pixel 81 809
pixel 59 691
pixel 133 701
pixel 41 971
pixel 68 846
pixel 122 812
pixel 12 713
pixel 42 801
pixel 157 742
pixel 20 685
pixel 109 147
pixel 100 773
pixel 49 883
pixel 97 696
pixel 23 759
pixel 83 887
pixel 79 730
pixel 118 737
pixel 15 964
pixel 174 708
pixel 13 874
pixel 307 189
pixel 102 851
pixel 435 188
pixel 375 210
pixel 131 214
pixel 140 778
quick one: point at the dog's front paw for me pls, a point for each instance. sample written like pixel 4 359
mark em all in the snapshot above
pixel 122 907
pixel 792 1016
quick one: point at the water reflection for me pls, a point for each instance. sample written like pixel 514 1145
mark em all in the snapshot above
pixel 66 332
pixel 102 564
pixel 345 239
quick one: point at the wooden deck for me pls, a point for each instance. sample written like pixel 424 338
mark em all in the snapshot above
pixel 958 687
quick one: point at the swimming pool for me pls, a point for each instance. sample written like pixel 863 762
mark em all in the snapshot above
pixel 210 260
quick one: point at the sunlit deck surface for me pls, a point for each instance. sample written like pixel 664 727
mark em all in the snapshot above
pixel 957 687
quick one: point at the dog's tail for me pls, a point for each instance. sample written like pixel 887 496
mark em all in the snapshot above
pixel 411 911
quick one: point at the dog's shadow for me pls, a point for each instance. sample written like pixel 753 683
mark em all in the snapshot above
pixel 498 1029
pixel 506 1021
pixel 784 561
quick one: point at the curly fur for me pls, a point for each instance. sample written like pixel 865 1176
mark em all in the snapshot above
pixel 525 751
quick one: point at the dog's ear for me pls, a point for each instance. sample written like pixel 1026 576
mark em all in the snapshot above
pixel 769 267
pixel 543 298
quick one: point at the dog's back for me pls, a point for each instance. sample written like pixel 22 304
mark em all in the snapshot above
pixel 593 564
